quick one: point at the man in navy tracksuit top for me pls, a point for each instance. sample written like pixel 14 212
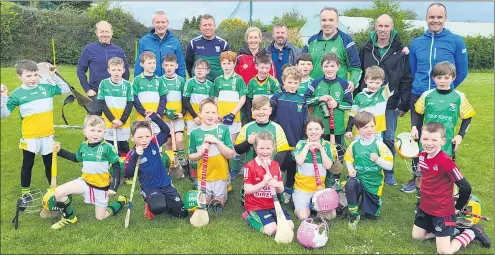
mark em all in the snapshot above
pixel 156 187
pixel 206 46
pixel 161 42
pixel 436 45
pixel 95 57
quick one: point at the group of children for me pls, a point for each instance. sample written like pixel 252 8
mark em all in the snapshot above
pixel 289 121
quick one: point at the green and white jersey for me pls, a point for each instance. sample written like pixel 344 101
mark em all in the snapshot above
pixel 271 127
pixel 375 103
pixel 218 166
pixel 268 87
pixel 116 97
pixel 444 108
pixel 96 163
pixel 305 179
pixel 148 93
pixel 197 91
pixel 368 172
pixel 229 91
pixel 175 87
pixel 304 86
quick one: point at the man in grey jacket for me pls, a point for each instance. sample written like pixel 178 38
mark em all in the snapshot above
pixel 281 50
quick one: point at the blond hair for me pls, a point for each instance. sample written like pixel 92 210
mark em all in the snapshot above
pixel 259 102
pixel 374 73
pixel 115 61
pixel 207 101
pixel 146 55
pixel 292 71
pixel 252 29
pixel 265 136
pixel 93 121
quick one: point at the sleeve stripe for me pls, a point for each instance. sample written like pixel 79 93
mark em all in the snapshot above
pixel 350 45
pixel 457 174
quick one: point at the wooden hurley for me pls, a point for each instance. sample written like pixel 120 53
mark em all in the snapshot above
pixel 133 187
pixel 176 170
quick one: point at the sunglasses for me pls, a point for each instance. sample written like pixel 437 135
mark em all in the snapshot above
pixel 280 56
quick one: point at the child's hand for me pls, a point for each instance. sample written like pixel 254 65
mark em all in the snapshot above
pixel 414 133
pixel 147 115
pixel 204 147
pixel 374 157
pixel 324 98
pixel 56 147
pixel 179 115
pixel 5 91
pixel 405 50
pixel 251 138
pixel 116 123
pixel 91 93
pixel 332 103
pixel 111 192
pixel 267 178
pixel 139 150
pixel 211 139
pixel 352 172
pixel 456 141
pixel 348 135
pixel 315 146
pixel 350 87
pixel 197 120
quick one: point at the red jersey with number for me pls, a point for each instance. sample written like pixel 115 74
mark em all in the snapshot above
pixel 253 174
pixel 437 184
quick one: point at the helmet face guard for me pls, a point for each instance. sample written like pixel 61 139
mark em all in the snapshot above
pixel 195 199
pixel 30 202
pixel 313 233
pixel 325 200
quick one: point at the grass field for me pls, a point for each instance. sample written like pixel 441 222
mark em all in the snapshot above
pixel 229 233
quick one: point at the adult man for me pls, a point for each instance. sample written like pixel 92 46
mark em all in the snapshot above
pixel 161 42
pixel 436 45
pixel 281 50
pixel 95 56
pixel 384 49
pixel 207 46
pixel 331 40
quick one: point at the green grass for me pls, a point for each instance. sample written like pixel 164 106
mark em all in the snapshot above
pixel 229 233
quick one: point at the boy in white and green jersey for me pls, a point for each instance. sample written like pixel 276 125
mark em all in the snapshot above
pixel 366 158
pixel 372 99
pixel 150 94
pixel 174 112
pixel 116 100
pixel 96 182
pixel 196 89
pixel 35 102
pixel 304 63
pixel 230 94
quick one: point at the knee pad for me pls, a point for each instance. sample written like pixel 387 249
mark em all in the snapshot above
pixel 157 204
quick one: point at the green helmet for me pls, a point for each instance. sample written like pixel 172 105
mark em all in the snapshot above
pixel 194 199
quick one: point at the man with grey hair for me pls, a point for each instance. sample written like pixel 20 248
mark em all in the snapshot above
pixel 384 49
pixel 161 42
pixel 95 57
pixel 281 50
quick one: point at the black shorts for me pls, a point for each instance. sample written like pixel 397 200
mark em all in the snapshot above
pixel 164 199
pixel 440 226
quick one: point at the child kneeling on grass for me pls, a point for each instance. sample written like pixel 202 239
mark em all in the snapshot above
pixel 96 183
pixel 260 210
pixel 435 217
pixel 156 187
pixel 365 160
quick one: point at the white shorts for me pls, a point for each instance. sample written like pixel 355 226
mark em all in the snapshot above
pixel 235 128
pixel 301 199
pixel 191 125
pixel 41 145
pixel 123 134
pixel 93 196
pixel 178 125
pixel 216 189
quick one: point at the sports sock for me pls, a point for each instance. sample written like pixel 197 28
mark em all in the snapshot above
pixel 24 190
pixel 67 209
pixel 115 208
pixel 465 238
pixel 353 209
pixel 235 163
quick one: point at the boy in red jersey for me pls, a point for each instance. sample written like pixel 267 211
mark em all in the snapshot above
pixel 435 217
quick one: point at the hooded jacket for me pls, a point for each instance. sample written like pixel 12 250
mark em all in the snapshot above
pixel 293 51
pixel 246 67
pixel 169 44
pixel 431 48
pixel 394 63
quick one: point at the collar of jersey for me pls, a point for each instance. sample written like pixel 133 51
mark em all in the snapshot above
pixel 142 76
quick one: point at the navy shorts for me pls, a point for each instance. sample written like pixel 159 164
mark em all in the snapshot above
pixel 165 199
pixel 371 204
pixel 440 226
pixel 268 216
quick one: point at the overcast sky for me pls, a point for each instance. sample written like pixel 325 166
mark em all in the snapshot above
pixel 265 11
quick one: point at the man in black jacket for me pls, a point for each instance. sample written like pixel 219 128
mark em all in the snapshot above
pixel 386 51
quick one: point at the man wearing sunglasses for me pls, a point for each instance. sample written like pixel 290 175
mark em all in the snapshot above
pixel 281 50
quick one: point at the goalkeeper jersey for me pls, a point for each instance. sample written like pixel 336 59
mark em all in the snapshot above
pixel 175 87
pixel 444 109
pixel 368 172
pixel 268 87
pixel 148 93
pixel 229 91
pixel 270 127
pixel 218 166
pixel 197 91
pixel 96 162
pixel 116 97
pixel 375 103
pixel 305 179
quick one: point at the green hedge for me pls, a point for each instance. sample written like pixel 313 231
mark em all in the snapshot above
pixel 27 32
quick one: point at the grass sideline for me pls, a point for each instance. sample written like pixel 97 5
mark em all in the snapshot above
pixel 228 234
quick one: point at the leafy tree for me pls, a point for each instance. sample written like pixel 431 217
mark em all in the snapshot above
pixel 263 27
pixel 228 25
pixel 292 19
pixel 186 24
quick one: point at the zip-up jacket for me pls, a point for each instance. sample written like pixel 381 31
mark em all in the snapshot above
pixel 429 49
pixel 95 57
pixel 343 46
pixel 160 47
pixel 290 111
pixel 293 51
pixel 396 67
pixel 209 50
pixel 246 66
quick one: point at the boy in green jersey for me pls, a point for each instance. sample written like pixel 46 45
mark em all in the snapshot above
pixel 304 63
pixel 365 160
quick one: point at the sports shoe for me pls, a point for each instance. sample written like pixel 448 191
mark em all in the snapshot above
pixel 147 213
pixel 128 181
pixel 408 183
pixel 286 196
pixel 389 178
pixel 409 187
pixel 64 222
pixel 123 200
pixel 245 215
pixel 353 221
pixel 229 187
pixel 480 235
